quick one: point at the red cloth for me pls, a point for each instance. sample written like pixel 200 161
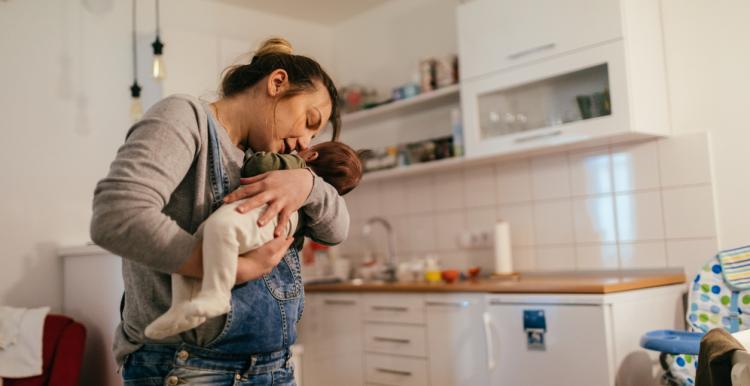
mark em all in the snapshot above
pixel 62 352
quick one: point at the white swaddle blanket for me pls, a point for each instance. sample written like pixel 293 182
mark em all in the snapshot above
pixel 21 332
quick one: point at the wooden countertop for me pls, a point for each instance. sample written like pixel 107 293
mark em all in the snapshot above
pixel 529 283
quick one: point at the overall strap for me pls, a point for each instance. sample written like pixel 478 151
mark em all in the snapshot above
pixel 217 177
pixel 734 312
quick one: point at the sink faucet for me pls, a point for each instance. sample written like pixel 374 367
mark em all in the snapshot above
pixel 390 262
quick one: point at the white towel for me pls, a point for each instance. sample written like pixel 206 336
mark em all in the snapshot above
pixel 21 332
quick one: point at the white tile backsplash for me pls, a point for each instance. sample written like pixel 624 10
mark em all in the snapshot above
pixel 639 216
pixel 635 166
pixel 553 222
pixel 594 219
pixel 550 177
pixel 513 182
pixel 643 254
pixel 590 172
pixel 479 187
pixel 597 257
pixel 645 204
pixel 449 190
pixel 419 195
pixel 688 212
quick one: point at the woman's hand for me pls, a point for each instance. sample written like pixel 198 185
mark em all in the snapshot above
pixel 283 190
pixel 261 260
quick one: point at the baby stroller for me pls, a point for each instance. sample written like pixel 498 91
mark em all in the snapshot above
pixel 719 297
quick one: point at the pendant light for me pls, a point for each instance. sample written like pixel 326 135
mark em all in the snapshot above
pixel 136 110
pixel 158 46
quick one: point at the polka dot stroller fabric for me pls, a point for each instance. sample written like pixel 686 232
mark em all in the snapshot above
pixel 708 307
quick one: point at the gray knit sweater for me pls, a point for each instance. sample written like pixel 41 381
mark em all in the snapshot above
pixel 154 198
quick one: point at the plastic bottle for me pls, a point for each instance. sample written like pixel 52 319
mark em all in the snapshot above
pixel 458 133
pixel 432 270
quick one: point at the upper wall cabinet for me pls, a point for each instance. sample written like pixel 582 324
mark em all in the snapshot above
pixel 543 73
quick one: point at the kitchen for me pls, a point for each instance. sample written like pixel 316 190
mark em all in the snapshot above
pixel 631 194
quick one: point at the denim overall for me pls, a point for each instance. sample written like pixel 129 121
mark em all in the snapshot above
pixel 253 347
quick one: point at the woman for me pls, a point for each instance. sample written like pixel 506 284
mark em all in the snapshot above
pixel 175 168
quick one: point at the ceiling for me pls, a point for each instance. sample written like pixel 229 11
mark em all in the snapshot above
pixel 318 11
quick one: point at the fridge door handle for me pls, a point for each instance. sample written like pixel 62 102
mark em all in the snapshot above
pixel 488 339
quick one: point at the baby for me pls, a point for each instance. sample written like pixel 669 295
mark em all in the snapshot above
pixel 228 233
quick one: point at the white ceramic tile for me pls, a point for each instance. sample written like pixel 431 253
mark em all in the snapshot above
pixel 513 181
pixel 482 258
pixel 635 166
pixel 684 160
pixel 355 203
pixel 524 259
pixel 419 194
pixel 479 186
pixel 639 216
pixel 688 212
pixel 645 254
pixel 550 177
pixel 690 254
pixel 553 222
pixel 402 228
pixel 596 257
pixel 449 190
pixel 393 197
pixel 422 233
pixel 481 219
pixel 447 227
pixel 590 172
pixel 455 259
pixel 594 219
pixel 561 258
pixel 521 220
pixel 369 200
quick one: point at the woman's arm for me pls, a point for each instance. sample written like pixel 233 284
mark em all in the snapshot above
pixel 286 191
pixel 127 210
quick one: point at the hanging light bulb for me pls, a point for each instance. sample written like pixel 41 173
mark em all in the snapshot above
pixel 158 46
pixel 136 108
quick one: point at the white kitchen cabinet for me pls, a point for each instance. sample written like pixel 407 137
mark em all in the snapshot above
pixel 589 340
pixel 331 333
pixel 541 74
pixel 456 338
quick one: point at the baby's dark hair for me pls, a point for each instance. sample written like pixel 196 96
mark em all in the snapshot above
pixel 338 164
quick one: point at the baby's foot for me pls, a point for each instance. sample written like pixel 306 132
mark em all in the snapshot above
pixel 173 322
pixel 208 306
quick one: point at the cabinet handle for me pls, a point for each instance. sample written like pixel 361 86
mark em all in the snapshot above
pixel 392 340
pixel 537 137
pixel 390 308
pixel 397 372
pixel 461 304
pixel 339 302
pixel 488 339
pixel 530 51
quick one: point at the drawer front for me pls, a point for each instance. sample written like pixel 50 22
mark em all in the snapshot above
pixel 396 371
pixel 497 34
pixel 394 308
pixel 396 339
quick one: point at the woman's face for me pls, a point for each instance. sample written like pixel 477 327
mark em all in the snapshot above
pixel 296 120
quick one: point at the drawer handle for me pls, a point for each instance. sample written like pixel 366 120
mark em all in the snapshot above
pixel 461 304
pixel 530 51
pixel 537 137
pixel 396 372
pixel 392 340
pixel 390 308
pixel 340 302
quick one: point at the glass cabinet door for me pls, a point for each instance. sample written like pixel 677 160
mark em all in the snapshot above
pixel 544 103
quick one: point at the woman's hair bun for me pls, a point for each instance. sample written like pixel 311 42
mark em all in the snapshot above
pixel 274 46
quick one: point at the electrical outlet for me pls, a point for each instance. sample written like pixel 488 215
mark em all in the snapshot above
pixel 475 239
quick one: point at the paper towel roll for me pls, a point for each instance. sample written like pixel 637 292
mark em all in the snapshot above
pixel 503 255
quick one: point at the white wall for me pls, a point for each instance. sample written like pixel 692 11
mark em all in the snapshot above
pixel 64 108
pixel 708 58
